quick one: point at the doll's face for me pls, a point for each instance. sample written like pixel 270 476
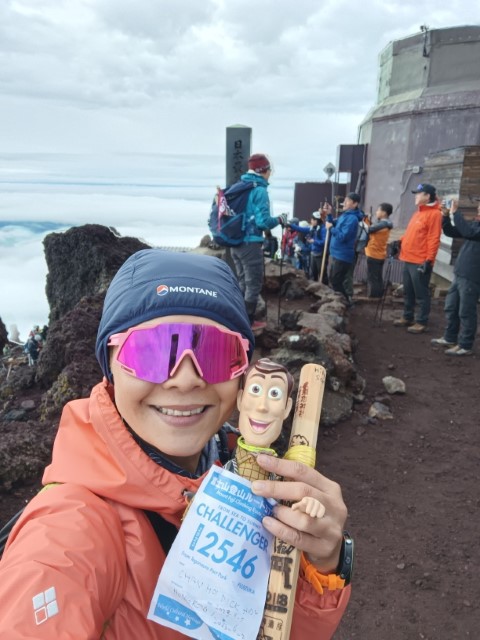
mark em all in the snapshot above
pixel 263 404
pixel 180 415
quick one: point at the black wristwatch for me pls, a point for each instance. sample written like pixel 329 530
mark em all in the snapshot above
pixel 345 563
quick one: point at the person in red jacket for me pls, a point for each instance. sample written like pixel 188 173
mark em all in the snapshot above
pixel 83 559
pixel 419 247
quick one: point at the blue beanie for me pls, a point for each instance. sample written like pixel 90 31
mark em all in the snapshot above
pixel 153 283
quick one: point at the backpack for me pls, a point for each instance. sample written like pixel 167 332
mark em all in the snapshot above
pixel 362 237
pixel 227 217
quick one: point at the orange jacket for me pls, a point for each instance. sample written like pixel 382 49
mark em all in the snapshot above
pixel 422 236
pixel 83 560
pixel 377 240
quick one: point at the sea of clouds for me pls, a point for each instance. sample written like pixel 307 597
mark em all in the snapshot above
pixel 159 199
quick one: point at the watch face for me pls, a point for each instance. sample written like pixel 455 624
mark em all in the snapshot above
pixel 345 565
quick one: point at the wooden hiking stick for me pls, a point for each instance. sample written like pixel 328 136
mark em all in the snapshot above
pixel 324 257
pixel 285 562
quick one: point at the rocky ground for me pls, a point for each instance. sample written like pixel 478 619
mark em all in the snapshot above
pixel 410 482
pixel 411 485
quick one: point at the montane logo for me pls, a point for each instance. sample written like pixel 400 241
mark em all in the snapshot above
pixel 45 605
pixel 163 289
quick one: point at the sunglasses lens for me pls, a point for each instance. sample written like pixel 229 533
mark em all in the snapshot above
pixel 219 354
pixel 145 355
pixel 152 353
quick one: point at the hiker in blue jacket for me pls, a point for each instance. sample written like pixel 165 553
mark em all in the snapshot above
pixel 301 248
pixel 248 256
pixel 316 238
pixel 343 233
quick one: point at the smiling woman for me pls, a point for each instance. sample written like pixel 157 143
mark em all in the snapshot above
pixel 176 402
pixel 124 459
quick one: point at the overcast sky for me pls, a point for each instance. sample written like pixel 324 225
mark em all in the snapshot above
pixel 167 76
pixel 114 111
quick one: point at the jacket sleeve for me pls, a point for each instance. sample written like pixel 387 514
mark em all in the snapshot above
pixel 260 203
pixel 297 227
pixel 63 573
pixel 319 240
pixel 465 228
pixel 378 226
pixel 448 229
pixel 317 616
pixel 433 238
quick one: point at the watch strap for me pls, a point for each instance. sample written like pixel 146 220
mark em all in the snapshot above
pixel 320 581
pixel 331 581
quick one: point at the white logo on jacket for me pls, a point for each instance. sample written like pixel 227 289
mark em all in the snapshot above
pixel 45 605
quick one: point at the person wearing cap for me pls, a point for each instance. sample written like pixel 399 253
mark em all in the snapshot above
pixel 342 245
pixel 462 297
pixel 418 250
pixel 83 559
pixel 316 239
pixel 248 256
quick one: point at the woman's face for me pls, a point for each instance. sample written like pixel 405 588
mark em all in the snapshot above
pixel 178 416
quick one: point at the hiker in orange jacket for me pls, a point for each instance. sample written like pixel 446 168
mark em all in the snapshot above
pixel 84 557
pixel 419 247
pixel 376 249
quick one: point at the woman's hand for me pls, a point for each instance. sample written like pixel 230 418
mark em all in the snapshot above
pixel 320 538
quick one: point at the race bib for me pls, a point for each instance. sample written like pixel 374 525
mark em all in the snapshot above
pixel 214 580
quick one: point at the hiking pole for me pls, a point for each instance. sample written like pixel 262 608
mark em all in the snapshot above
pixel 324 257
pixel 264 281
pixel 280 277
pixel 285 561
pixel 381 303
